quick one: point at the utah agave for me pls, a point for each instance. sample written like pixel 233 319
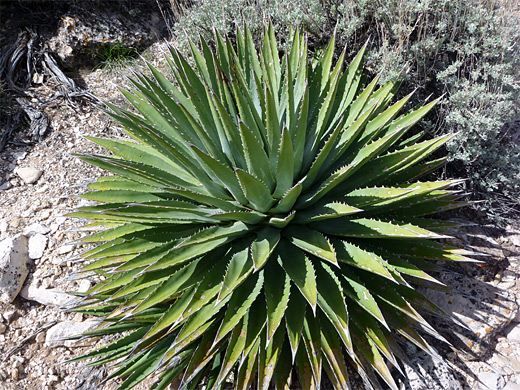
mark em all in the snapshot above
pixel 264 225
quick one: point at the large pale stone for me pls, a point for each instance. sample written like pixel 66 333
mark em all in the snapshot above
pixel 46 296
pixel 58 334
pixel 424 373
pixel 29 175
pixel 14 266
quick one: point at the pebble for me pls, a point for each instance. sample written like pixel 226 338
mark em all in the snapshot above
pixel 3 226
pixel 65 249
pixel 29 175
pixel 8 315
pixel 37 245
pixel 3 328
pixel 5 186
pixel 36 228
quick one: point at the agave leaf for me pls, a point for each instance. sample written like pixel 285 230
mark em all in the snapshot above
pixel 276 296
pixel 256 158
pixel 288 200
pixel 371 228
pixel 263 246
pixel 300 270
pixel 332 351
pixel 284 172
pixel 369 352
pixel 224 174
pixel 354 288
pixel 294 319
pixel 283 369
pixel 354 256
pixel 257 321
pixel 311 242
pixel 326 211
pixel 241 299
pixel 257 193
pixel 234 350
pixel 238 269
pixel 247 370
pixel 281 222
pixel 268 357
pixel 305 373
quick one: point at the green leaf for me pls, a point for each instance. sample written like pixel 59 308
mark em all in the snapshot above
pixel 264 245
pixel 276 296
pixel 311 242
pixel 257 193
pixel 300 270
pixel 284 172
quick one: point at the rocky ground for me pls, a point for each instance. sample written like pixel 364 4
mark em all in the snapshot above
pixel 39 185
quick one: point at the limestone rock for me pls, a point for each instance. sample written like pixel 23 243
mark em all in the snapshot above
pixel 514 334
pixel 484 309
pixel 82 31
pixel 37 245
pixel 36 228
pixel 59 332
pixel 14 266
pixel 65 249
pixel 29 175
pixel 46 296
pixel 424 373
pixel 490 381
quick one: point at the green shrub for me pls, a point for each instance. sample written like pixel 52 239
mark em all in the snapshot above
pixel 466 49
pixel 264 219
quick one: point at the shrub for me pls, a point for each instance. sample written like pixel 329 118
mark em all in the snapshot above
pixel 466 49
pixel 264 218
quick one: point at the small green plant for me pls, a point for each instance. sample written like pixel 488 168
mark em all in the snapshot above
pixel 115 55
pixel 264 225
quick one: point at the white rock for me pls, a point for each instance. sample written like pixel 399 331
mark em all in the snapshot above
pixel 512 386
pixel 65 249
pixel 36 228
pixel 514 334
pixel 423 373
pixel 8 315
pixel 57 334
pixel 46 296
pixel 84 285
pixel 3 226
pixel 14 262
pixel 481 307
pixel 490 380
pixel 37 245
pixel 29 175
pixel 19 155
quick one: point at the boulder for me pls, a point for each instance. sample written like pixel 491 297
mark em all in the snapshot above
pixel 88 35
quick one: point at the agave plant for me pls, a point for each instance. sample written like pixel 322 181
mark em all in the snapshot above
pixel 264 225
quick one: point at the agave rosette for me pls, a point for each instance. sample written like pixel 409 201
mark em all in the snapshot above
pixel 264 224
